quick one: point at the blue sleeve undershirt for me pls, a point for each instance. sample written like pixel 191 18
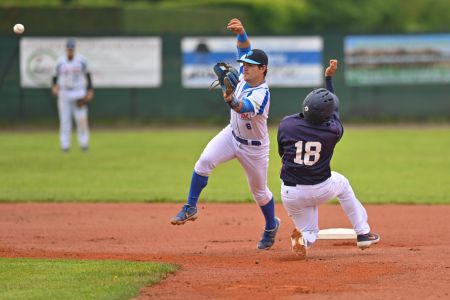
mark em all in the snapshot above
pixel 247 106
pixel 242 51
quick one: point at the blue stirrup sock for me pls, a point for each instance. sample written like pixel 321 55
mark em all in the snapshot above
pixel 198 182
pixel 268 211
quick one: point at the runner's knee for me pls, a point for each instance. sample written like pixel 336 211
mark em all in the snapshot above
pixel 342 181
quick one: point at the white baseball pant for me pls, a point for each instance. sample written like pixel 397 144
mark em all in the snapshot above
pixel 254 159
pixel 301 203
pixel 67 108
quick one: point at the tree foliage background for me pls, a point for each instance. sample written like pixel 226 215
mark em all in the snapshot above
pixel 293 16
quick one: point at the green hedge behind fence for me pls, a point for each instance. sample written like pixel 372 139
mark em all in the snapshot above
pixel 171 102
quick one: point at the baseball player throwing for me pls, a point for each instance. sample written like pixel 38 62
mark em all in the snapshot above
pixel 72 85
pixel 246 138
pixel 306 143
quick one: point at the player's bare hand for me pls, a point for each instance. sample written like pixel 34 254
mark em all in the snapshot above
pixel 235 26
pixel 331 69
pixel 89 95
pixel 227 98
pixel 55 90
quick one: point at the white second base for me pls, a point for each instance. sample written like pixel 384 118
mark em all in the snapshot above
pixel 337 234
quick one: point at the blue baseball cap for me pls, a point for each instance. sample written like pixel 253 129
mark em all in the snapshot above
pixel 255 57
pixel 70 44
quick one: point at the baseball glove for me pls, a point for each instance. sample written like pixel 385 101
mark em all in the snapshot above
pixel 227 78
pixel 88 98
pixel 82 102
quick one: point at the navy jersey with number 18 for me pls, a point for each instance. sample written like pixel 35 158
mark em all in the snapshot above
pixel 306 150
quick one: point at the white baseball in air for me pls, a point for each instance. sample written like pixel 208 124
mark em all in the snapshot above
pixel 19 28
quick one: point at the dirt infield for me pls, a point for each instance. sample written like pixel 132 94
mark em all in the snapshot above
pixel 218 251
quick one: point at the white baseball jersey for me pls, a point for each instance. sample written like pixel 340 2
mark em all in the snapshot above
pixel 252 125
pixel 72 75
pixel 246 139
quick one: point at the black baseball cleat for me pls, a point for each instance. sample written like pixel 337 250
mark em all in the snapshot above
pixel 365 240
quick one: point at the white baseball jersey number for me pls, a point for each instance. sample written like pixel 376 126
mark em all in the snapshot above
pixel 310 155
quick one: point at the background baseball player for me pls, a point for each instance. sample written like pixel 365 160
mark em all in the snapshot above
pixel 246 138
pixel 73 86
pixel 306 143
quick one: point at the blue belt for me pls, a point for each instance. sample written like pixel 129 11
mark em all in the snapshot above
pixel 246 142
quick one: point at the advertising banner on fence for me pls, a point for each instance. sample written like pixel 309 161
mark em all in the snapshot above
pixel 397 59
pixel 123 62
pixel 293 61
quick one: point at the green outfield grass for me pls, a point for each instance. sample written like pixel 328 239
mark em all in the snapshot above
pixel 77 279
pixel 384 165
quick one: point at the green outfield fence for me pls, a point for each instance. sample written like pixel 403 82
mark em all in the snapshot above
pixel 170 102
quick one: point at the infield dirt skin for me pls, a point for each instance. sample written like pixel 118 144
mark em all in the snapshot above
pixel 218 256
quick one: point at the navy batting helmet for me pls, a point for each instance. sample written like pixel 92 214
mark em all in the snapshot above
pixel 319 105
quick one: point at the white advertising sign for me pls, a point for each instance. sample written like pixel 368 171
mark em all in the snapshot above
pixel 397 59
pixel 113 62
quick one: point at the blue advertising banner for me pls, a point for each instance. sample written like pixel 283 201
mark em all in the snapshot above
pixel 293 61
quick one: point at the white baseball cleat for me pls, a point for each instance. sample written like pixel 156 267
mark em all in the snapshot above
pixel 298 244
